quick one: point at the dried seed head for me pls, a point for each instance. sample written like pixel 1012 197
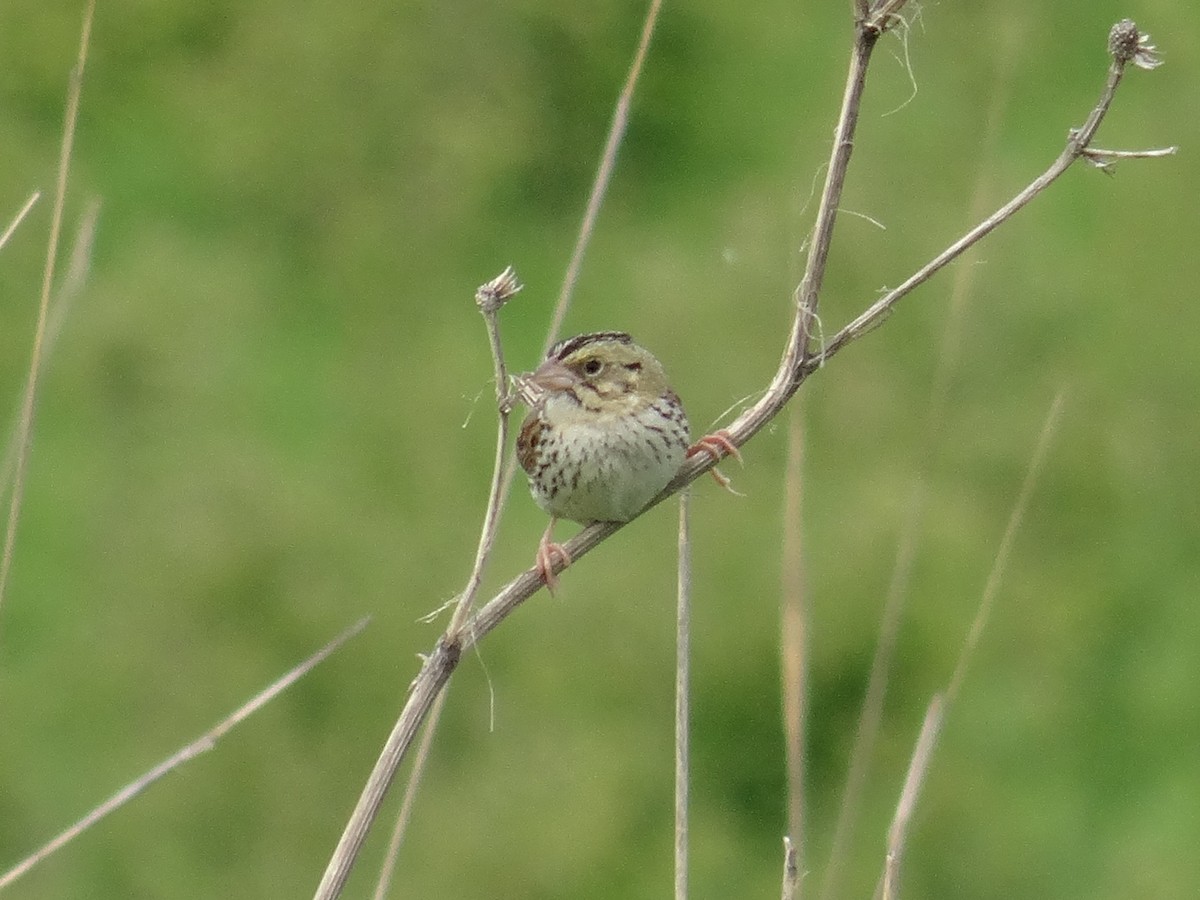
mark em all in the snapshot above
pixel 1123 40
pixel 493 295
pixel 1126 44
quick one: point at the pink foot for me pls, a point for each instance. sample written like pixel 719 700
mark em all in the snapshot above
pixel 716 445
pixel 544 561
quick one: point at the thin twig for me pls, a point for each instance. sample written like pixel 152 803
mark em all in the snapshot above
pixel 683 651
pixel 1156 153
pixel 808 293
pixel 434 674
pixel 490 298
pixel 202 744
pixel 794 621
pixel 1077 144
pixel 25 431
pixel 1105 160
pixel 19 218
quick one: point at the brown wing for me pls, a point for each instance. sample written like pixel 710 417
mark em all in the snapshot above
pixel 527 442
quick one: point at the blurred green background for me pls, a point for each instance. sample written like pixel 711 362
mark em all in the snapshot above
pixel 269 414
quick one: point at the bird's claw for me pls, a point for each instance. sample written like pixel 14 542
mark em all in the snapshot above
pixel 719 443
pixel 544 562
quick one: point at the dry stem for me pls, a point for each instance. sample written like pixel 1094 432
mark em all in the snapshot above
pixel 399 829
pixel 491 298
pixel 791 870
pixel 794 626
pixel 683 650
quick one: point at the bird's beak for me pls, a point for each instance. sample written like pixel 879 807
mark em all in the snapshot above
pixel 553 376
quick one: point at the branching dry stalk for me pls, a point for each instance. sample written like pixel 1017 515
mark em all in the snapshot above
pixel 1126 45
pixel 202 744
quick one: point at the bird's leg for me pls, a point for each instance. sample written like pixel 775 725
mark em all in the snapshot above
pixel 716 445
pixel 546 551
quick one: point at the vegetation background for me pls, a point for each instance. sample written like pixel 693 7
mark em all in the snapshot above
pixel 269 414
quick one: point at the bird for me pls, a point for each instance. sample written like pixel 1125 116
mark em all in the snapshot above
pixel 604 435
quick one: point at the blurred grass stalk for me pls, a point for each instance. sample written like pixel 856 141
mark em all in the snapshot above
pixel 29 400
pixel 19 218
pixel 77 272
pixel 794 629
pixel 683 653
pixel 935 713
pixel 199 746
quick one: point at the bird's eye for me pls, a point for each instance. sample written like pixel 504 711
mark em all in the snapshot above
pixel 592 367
